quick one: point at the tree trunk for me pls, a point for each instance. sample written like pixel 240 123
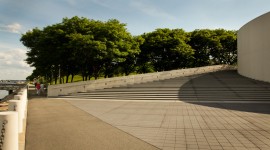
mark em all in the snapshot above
pixel 72 76
pixel 67 78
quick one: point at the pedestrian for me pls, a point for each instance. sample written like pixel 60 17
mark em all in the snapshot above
pixel 42 88
pixel 38 88
pixel 35 82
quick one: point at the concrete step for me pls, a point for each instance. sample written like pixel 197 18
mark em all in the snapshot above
pixel 219 86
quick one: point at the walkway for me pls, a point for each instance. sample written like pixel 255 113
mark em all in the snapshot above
pixel 221 110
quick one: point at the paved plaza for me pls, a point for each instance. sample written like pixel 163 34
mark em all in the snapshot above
pixel 220 110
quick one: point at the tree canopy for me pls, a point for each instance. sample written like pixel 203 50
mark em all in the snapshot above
pixel 93 48
pixel 214 47
pixel 166 49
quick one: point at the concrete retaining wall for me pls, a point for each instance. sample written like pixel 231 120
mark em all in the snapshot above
pixel 13 122
pixel 84 86
pixel 254 48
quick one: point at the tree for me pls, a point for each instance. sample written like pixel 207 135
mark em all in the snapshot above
pixel 83 48
pixel 79 45
pixel 203 42
pixel 46 49
pixel 227 51
pixel 166 49
pixel 93 48
pixel 213 47
pixel 130 64
pixel 119 44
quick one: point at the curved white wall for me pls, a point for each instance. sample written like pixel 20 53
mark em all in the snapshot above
pixel 253 42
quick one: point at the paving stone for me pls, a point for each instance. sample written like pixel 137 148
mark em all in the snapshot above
pixel 220 110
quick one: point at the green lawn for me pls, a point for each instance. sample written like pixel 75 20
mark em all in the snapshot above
pixel 78 78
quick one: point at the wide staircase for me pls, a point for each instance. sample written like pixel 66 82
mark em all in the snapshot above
pixel 217 86
pixel 157 90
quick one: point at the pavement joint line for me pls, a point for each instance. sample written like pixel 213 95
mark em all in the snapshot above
pixel 213 117
pixel 164 101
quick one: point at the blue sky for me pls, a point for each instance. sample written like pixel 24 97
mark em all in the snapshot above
pixel 19 16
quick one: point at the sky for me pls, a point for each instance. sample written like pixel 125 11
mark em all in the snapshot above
pixel 141 16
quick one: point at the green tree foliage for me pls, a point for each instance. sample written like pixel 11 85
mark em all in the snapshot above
pixel 226 53
pixel 202 42
pixel 79 45
pixel 214 47
pixel 166 49
pixel 130 64
pixel 93 48
pixel 121 46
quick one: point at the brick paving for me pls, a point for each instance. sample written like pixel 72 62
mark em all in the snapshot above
pixel 180 125
pixel 221 110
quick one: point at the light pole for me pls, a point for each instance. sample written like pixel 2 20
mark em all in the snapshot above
pixel 52 68
pixel 59 74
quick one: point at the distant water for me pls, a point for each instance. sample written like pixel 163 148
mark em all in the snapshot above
pixel 3 93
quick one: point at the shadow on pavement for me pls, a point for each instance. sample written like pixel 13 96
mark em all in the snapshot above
pixel 32 93
pixel 227 90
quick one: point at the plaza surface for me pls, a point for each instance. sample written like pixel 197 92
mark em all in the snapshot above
pixel 220 110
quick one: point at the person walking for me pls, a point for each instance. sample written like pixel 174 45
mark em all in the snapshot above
pixel 42 88
pixel 38 88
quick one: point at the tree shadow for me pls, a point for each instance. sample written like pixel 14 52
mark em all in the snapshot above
pixel 227 90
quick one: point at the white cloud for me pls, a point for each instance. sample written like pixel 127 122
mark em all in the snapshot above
pixel 14 74
pixel 151 10
pixel 13 28
pixel 12 64
pixel 13 58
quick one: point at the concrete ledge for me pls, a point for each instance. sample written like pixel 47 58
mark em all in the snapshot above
pixel 84 86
